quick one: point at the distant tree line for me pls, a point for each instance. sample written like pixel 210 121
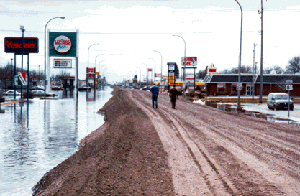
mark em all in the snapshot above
pixel 7 71
pixel 292 68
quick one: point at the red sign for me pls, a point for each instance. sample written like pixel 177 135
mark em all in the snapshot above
pixel 191 61
pixel 90 70
pixel 14 44
pixel 149 69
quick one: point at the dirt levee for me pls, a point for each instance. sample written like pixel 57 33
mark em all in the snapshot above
pixel 122 157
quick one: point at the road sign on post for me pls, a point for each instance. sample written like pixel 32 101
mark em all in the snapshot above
pixel 289 87
pixel 239 86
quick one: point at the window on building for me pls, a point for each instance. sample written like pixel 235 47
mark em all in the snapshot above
pixel 221 88
pixel 233 88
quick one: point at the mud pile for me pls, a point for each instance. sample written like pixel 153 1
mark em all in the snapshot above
pixel 123 157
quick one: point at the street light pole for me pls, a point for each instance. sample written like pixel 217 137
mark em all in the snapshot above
pixel 261 51
pixel 147 75
pixel 140 76
pixel 161 66
pixel 11 77
pixel 253 86
pixel 22 29
pixel 184 69
pixel 89 61
pixel 46 52
pixel 240 60
pixel 39 74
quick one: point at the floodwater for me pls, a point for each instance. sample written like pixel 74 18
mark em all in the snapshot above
pixel 262 111
pixel 41 134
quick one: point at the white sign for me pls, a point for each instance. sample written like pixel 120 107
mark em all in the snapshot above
pixel 189 77
pixel 62 44
pixel 62 63
pixel 239 86
pixel 289 87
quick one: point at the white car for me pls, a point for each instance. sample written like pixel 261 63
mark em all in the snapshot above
pixel 11 92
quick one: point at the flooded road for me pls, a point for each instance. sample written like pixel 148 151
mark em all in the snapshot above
pixel 41 134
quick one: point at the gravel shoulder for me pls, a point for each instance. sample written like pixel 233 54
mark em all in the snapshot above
pixel 192 150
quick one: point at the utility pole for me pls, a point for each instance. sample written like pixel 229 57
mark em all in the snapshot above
pixel 261 51
pixel 11 76
pixel 253 86
pixel 39 74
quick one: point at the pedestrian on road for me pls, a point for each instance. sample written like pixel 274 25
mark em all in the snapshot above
pixel 173 95
pixel 155 91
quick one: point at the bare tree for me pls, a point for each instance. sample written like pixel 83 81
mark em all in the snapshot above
pixel 244 69
pixel 294 65
pixel 277 68
pixel 225 71
pixel 201 74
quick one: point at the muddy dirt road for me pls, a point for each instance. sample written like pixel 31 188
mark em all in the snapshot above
pixel 190 150
pixel 213 152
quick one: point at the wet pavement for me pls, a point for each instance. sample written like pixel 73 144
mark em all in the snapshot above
pixel 41 134
pixel 259 110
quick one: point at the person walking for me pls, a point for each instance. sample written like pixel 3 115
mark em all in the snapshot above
pixel 173 95
pixel 155 91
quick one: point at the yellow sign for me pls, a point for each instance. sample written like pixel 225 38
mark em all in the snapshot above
pixel 171 79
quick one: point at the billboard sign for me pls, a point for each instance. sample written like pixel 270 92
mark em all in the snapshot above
pixel 62 44
pixel 157 74
pixel 14 44
pixel 190 61
pixel 62 63
pixel 149 69
pixel 91 72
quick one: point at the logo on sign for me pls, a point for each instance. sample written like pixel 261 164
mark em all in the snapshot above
pixel 62 44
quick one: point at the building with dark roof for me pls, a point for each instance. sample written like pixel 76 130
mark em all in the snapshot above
pixel 225 84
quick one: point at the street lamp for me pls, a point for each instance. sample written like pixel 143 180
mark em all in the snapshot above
pixel 89 53
pixel 140 76
pixel 11 77
pixel 160 68
pixel 46 50
pixel 184 71
pixel 240 60
pixel 22 29
pixel 146 75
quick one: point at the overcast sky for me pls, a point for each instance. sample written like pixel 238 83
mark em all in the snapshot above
pixel 129 31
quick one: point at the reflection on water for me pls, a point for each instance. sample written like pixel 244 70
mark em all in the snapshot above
pixel 41 134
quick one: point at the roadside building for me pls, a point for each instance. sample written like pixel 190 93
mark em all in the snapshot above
pixel 225 84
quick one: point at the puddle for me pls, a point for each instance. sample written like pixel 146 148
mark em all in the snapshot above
pixel 231 107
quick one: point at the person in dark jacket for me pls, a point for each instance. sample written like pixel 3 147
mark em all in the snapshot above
pixel 155 91
pixel 173 95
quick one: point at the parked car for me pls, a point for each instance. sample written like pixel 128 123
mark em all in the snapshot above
pixel 11 93
pixel 84 88
pixel 279 101
pixel 38 92
pixel 146 88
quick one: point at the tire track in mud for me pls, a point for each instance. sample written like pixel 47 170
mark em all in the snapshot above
pixel 281 154
pixel 214 181
pixel 239 165
pixel 239 152
pixel 187 177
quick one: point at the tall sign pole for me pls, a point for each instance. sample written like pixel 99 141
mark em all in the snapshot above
pixel 261 51
pixel 253 86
